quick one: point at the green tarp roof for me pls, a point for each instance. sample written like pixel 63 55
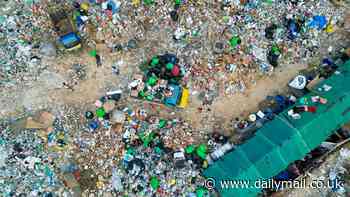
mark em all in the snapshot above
pixel 284 139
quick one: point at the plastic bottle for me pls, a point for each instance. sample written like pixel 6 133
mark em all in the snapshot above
pixel 219 152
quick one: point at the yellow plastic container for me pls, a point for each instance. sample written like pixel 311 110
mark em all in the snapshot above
pixel 329 28
pixel 85 6
pixel 78 46
pixel 136 3
pixel 184 98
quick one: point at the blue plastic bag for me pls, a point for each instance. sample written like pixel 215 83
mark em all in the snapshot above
pixel 318 22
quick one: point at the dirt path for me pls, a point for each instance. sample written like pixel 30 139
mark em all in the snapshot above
pixel 226 108
pixel 48 92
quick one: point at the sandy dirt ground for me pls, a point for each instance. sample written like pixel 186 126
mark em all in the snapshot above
pixel 225 108
pixel 47 91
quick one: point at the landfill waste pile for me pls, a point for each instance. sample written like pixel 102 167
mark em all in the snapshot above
pixel 101 97
pixel 162 81
pixel 112 150
pixel 20 42
pixel 232 37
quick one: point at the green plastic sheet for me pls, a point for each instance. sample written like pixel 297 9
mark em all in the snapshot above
pixel 100 112
pixel 234 41
pixel 202 151
pixel 155 183
pixel 189 149
pixel 93 53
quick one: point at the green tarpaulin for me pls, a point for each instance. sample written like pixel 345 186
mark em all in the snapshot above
pixel 284 139
pixel 202 151
pixel 234 41
pixel 201 192
pixel 154 183
pixel 152 81
pixel 169 66
pixel 93 53
pixel 189 149
pixel 275 49
pixel 100 112
pixel 148 2
pixel 162 123
pixel 146 139
pixel 154 61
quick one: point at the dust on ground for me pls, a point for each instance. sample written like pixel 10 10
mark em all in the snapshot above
pixel 225 108
pixel 48 91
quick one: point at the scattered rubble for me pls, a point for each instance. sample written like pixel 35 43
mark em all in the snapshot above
pixel 165 53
